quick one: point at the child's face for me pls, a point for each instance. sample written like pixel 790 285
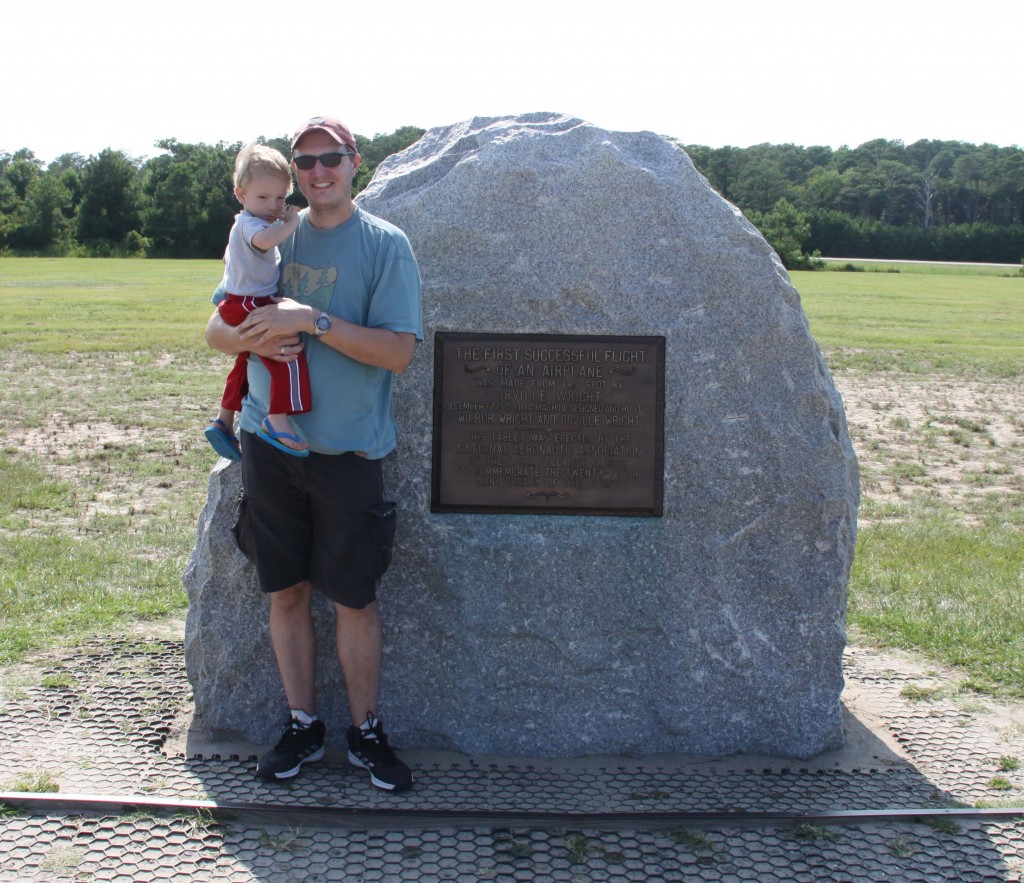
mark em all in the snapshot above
pixel 264 196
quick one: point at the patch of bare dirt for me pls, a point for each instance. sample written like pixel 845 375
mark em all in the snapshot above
pixel 111 466
pixel 946 439
pixel 934 438
pixel 120 445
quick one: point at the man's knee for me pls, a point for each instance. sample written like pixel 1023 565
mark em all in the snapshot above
pixel 357 615
pixel 292 598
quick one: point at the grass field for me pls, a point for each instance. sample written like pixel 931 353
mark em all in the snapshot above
pixel 61 305
pixel 917 322
pixel 105 468
pixel 930 363
pixel 925 268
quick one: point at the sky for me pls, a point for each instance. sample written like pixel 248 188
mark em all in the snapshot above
pixel 83 76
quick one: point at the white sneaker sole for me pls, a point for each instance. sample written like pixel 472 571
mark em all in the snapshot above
pixel 379 783
pixel 294 771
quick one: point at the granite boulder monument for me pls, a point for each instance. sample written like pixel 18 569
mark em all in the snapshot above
pixel 713 625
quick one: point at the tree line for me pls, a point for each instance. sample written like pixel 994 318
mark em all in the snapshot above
pixel 179 204
pixel 930 200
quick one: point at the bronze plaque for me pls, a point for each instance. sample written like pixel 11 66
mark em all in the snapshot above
pixel 551 424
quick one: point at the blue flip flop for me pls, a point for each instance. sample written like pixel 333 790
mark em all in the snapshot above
pixel 271 436
pixel 222 441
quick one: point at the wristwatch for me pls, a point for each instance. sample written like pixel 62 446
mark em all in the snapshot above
pixel 321 324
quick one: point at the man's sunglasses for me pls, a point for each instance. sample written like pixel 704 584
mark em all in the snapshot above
pixel 307 161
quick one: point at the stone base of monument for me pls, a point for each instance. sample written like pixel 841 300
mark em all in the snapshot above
pixel 712 625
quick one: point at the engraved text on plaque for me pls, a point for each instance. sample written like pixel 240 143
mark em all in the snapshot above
pixel 560 424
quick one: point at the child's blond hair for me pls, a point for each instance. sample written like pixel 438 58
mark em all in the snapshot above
pixel 256 159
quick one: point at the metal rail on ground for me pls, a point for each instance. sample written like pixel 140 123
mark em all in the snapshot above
pixel 415 819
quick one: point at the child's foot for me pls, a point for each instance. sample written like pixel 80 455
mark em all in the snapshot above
pixel 223 440
pixel 277 431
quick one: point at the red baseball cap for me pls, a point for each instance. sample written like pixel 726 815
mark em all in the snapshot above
pixel 335 128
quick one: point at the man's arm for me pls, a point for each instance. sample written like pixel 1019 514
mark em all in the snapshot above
pixel 223 337
pixel 377 347
pixel 228 339
pixel 371 346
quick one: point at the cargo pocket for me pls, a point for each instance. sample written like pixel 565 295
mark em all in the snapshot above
pixel 243 529
pixel 383 519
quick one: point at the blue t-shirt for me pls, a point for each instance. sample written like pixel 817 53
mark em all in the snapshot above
pixel 363 271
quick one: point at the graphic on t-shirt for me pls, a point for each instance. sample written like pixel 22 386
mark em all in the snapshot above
pixel 309 285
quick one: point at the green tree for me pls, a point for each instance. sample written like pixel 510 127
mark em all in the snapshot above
pixel 21 169
pixel 42 221
pixel 969 173
pixel 109 209
pixel 1008 185
pixel 189 202
pixel 861 189
pixel 823 189
pixel 787 231
pixel 721 166
pixel 68 168
pixel 895 187
pixel 761 185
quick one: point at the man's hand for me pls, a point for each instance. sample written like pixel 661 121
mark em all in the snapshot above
pixel 273 331
pixel 280 349
pixel 283 319
pixel 224 337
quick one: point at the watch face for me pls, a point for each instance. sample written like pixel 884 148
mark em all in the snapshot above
pixel 322 323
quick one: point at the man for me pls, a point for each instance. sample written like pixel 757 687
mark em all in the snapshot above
pixel 350 291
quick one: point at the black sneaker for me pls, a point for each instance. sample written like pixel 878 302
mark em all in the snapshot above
pixel 298 745
pixel 368 750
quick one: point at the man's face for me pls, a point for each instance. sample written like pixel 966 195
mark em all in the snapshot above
pixel 323 187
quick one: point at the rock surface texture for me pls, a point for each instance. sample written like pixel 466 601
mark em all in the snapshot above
pixel 717 628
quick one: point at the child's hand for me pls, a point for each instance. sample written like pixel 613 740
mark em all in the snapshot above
pixel 289 216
